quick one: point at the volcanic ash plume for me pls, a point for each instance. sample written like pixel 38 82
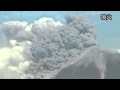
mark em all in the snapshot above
pixel 55 46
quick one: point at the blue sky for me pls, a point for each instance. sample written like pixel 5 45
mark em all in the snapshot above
pixel 108 32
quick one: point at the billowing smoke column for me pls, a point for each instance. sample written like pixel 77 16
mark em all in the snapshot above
pixel 55 46
pixel 78 34
pixel 48 49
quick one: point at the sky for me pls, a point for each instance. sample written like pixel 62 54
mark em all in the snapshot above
pixel 107 31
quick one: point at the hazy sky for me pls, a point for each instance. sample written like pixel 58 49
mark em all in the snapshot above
pixel 108 32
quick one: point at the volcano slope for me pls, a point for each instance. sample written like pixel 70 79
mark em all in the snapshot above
pixel 95 64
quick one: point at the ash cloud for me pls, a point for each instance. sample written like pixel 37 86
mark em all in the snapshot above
pixel 53 47
pixel 48 49
pixel 16 30
pixel 69 37
pixel 15 55
pixel 17 38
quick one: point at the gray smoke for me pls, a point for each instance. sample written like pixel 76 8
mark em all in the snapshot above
pixel 16 30
pixel 55 46
pixel 15 52
pixel 78 34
